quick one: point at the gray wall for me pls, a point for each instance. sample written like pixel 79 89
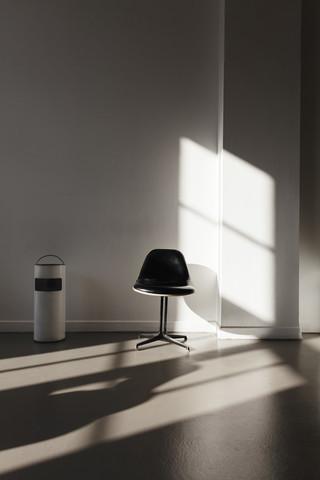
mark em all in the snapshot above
pixel 310 169
pixel 95 96
pixel 260 249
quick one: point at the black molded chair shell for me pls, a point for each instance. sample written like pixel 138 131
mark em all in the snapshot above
pixel 164 272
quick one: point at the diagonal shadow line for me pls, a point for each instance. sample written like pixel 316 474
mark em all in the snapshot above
pixel 195 356
pixel 66 361
pixel 82 358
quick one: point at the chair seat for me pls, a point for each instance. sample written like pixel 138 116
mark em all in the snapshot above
pixel 164 290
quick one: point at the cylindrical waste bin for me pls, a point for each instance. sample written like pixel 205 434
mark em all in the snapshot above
pixel 49 300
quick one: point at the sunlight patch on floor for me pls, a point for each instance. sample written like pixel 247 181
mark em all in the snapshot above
pixel 24 371
pixel 204 383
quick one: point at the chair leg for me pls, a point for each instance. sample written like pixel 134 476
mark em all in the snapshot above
pixel 178 336
pixel 170 339
pixel 154 338
pixel 162 334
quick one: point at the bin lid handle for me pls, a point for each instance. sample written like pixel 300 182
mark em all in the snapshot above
pixel 50 256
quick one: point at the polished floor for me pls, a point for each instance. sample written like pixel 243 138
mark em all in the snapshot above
pixel 92 407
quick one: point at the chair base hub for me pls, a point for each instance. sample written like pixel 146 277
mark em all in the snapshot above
pixel 161 336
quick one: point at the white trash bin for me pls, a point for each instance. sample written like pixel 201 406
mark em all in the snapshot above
pixel 49 301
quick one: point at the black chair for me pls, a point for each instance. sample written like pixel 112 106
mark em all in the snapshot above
pixel 164 273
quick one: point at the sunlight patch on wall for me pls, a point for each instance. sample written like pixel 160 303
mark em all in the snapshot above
pixel 248 200
pixel 198 171
pixel 248 240
pixel 248 276
pixel 199 230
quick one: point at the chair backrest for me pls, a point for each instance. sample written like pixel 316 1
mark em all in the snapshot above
pixel 164 271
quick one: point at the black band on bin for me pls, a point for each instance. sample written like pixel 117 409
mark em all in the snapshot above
pixel 48 284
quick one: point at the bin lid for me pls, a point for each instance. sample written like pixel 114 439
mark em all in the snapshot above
pixel 49 264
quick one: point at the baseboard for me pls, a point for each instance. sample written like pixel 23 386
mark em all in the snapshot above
pixel 16 326
pixel 260 333
pixel 108 326
pixel 237 333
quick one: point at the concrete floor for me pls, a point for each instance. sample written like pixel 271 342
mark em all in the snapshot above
pixel 92 407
